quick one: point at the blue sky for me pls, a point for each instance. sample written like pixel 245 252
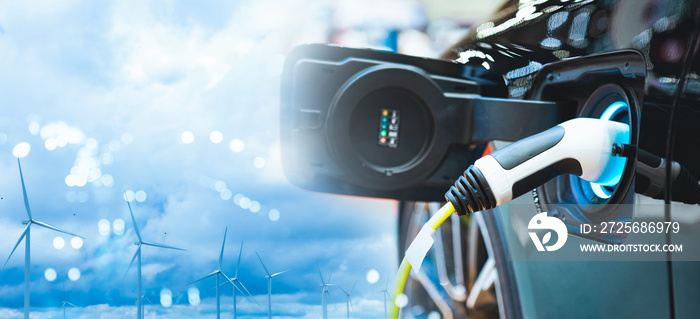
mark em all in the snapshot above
pixel 115 96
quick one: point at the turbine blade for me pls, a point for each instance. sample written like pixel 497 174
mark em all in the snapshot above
pixel 205 277
pixel 319 273
pixel 343 290
pixel 263 264
pixel 163 246
pixel 279 273
pixel 221 256
pixel 238 265
pixel 138 251
pixel 70 304
pixel 331 299
pixel 24 191
pixel 133 220
pixel 250 296
pixel 230 281
pixel 45 225
pixel 24 233
pixel 329 276
pixel 353 287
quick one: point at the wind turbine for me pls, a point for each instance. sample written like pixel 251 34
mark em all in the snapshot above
pixel 269 286
pixel 235 279
pixel 386 293
pixel 218 272
pixel 324 291
pixel 26 235
pixel 65 302
pixel 140 243
pixel 347 296
pixel 63 307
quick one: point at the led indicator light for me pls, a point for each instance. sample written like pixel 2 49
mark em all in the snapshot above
pixel 389 128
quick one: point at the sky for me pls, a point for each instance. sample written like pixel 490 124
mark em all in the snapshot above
pixel 173 106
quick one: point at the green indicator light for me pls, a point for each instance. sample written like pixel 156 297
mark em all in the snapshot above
pixel 383 133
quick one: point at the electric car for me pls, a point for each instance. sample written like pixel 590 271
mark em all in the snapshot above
pixel 383 125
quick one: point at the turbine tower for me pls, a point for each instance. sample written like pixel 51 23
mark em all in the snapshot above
pixel 324 291
pixel 26 235
pixel 348 304
pixel 269 286
pixel 386 293
pixel 139 305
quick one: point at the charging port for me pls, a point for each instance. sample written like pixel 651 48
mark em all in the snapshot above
pixel 608 102
pixel 609 87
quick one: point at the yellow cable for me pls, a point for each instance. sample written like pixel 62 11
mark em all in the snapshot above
pixel 405 268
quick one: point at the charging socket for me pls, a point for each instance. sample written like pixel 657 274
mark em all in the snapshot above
pixel 607 86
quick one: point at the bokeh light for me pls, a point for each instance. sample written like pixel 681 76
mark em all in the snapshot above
pixel 274 215
pixel 237 199
pixel 118 226
pixel 73 274
pixel 50 274
pixel 107 180
pixel 216 137
pixel 59 243
pixel 254 206
pixel 401 300
pixel 76 242
pixel 193 296
pixel 21 150
pixel 244 202
pixel 187 137
pixel 372 276
pixel 103 226
pixel 127 138
pixel 129 196
pixel 434 315
pixel 220 186
pixel 140 196
pixel 236 145
pixel 259 162
pixel 166 297
pixel 34 128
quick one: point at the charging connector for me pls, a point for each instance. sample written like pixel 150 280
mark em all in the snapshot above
pixel 582 146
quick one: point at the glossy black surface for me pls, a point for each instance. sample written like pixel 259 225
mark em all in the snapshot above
pixel 517 43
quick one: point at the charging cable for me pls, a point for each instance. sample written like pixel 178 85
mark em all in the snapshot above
pixel 582 147
pixel 651 172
